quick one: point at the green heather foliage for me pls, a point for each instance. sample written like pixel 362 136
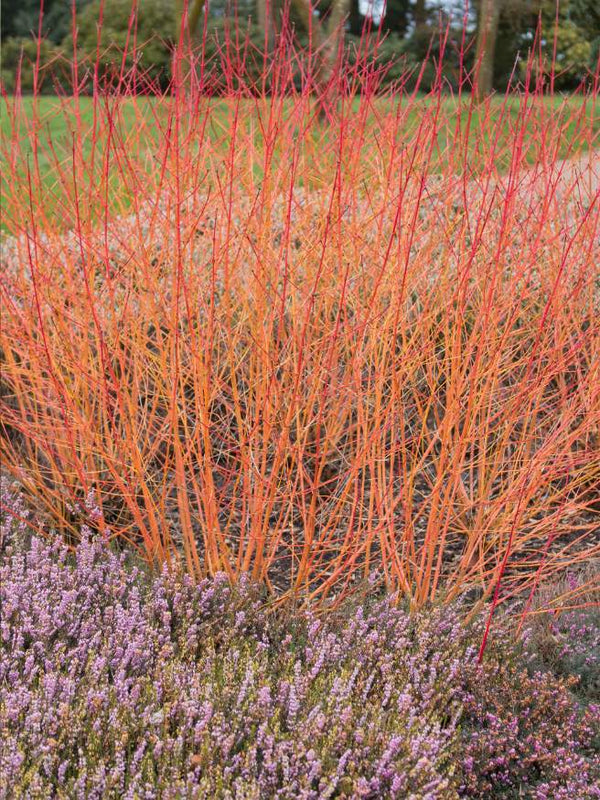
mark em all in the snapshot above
pixel 567 643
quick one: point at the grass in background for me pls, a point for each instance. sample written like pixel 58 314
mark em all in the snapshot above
pixel 47 127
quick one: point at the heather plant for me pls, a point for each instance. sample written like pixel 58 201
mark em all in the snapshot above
pixel 113 684
pixel 116 687
pixel 561 631
pixel 524 735
pixel 14 515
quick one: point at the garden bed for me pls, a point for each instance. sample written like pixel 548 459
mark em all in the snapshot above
pixel 117 684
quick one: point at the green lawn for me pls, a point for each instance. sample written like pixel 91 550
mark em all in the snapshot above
pixel 57 118
pixel 52 126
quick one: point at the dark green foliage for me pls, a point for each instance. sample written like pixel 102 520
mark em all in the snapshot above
pixel 411 31
pixel 23 52
pixel 20 18
pixel 153 30
pixel 397 16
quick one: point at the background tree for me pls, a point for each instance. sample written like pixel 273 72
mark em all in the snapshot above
pixel 20 18
pixel 488 18
pixel 576 29
pixel 419 12
pixel 192 10
pixel 153 56
pixel 504 30
pixel 355 19
pixel 397 16
pixel 327 36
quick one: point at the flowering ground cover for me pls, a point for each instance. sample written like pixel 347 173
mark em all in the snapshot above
pixel 300 440
pixel 114 684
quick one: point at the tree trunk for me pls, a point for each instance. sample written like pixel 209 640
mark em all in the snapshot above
pixel 356 19
pixel 487 33
pixel 420 13
pixel 396 16
pixel 325 43
pixel 335 28
pixel 194 12
pixel 265 14
pixel 310 22
pixel 187 18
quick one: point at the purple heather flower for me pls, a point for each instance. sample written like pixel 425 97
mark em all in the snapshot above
pixel 114 684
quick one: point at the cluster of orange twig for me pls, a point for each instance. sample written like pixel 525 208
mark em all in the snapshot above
pixel 238 338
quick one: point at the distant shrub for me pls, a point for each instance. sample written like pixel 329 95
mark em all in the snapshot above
pixel 152 33
pixel 19 59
